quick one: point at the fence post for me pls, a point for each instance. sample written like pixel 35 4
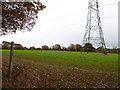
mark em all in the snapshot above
pixel 10 62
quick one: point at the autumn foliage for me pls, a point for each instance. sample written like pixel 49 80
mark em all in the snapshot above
pixel 18 16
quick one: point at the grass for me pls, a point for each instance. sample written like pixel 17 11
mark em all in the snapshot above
pixel 60 69
pixel 91 61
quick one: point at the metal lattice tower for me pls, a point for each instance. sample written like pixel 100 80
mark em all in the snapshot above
pixel 93 33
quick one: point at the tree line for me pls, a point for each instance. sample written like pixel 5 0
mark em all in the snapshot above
pixel 72 47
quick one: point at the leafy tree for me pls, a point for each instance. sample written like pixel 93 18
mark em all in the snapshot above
pixel 18 16
pixel 78 47
pixel 64 48
pixel 6 45
pixel 18 47
pixel 72 47
pixel 51 48
pixel 57 47
pixel 45 47
pixel 100 49
pixel 25 48
pixel 89 48
pixel 32 48
pixel 38 49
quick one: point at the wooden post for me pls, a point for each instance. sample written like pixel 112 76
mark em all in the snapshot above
pixel 10 62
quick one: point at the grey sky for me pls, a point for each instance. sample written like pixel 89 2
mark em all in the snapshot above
pixel 63 22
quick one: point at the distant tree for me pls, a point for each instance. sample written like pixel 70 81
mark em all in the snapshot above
pixel 72 47
pixel 118 50
pixel 89 48
pixel 25 48
pixel 18 47
pixel 78 47
pixel 51 47
pixel 5 45
pixel 99 49
pixel 19 16
pixel 57 47
pixel 64 48
pixel 38 48
pixel 114 50
pixel 45 47
pixel 32 48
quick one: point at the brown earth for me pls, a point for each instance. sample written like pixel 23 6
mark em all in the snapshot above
pixel 34 74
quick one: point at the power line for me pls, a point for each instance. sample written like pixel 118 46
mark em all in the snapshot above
pixel 62 27
pixel 65 16
pixel 71 14
pixel 110 4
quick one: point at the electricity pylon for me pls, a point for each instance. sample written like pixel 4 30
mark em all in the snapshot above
pixel 93 32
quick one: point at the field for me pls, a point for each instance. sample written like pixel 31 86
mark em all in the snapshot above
pixel 61 69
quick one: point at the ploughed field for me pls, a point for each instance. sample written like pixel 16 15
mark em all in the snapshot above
pixel 60 69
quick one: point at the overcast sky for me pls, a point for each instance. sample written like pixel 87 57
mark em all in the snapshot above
pixel 63 22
